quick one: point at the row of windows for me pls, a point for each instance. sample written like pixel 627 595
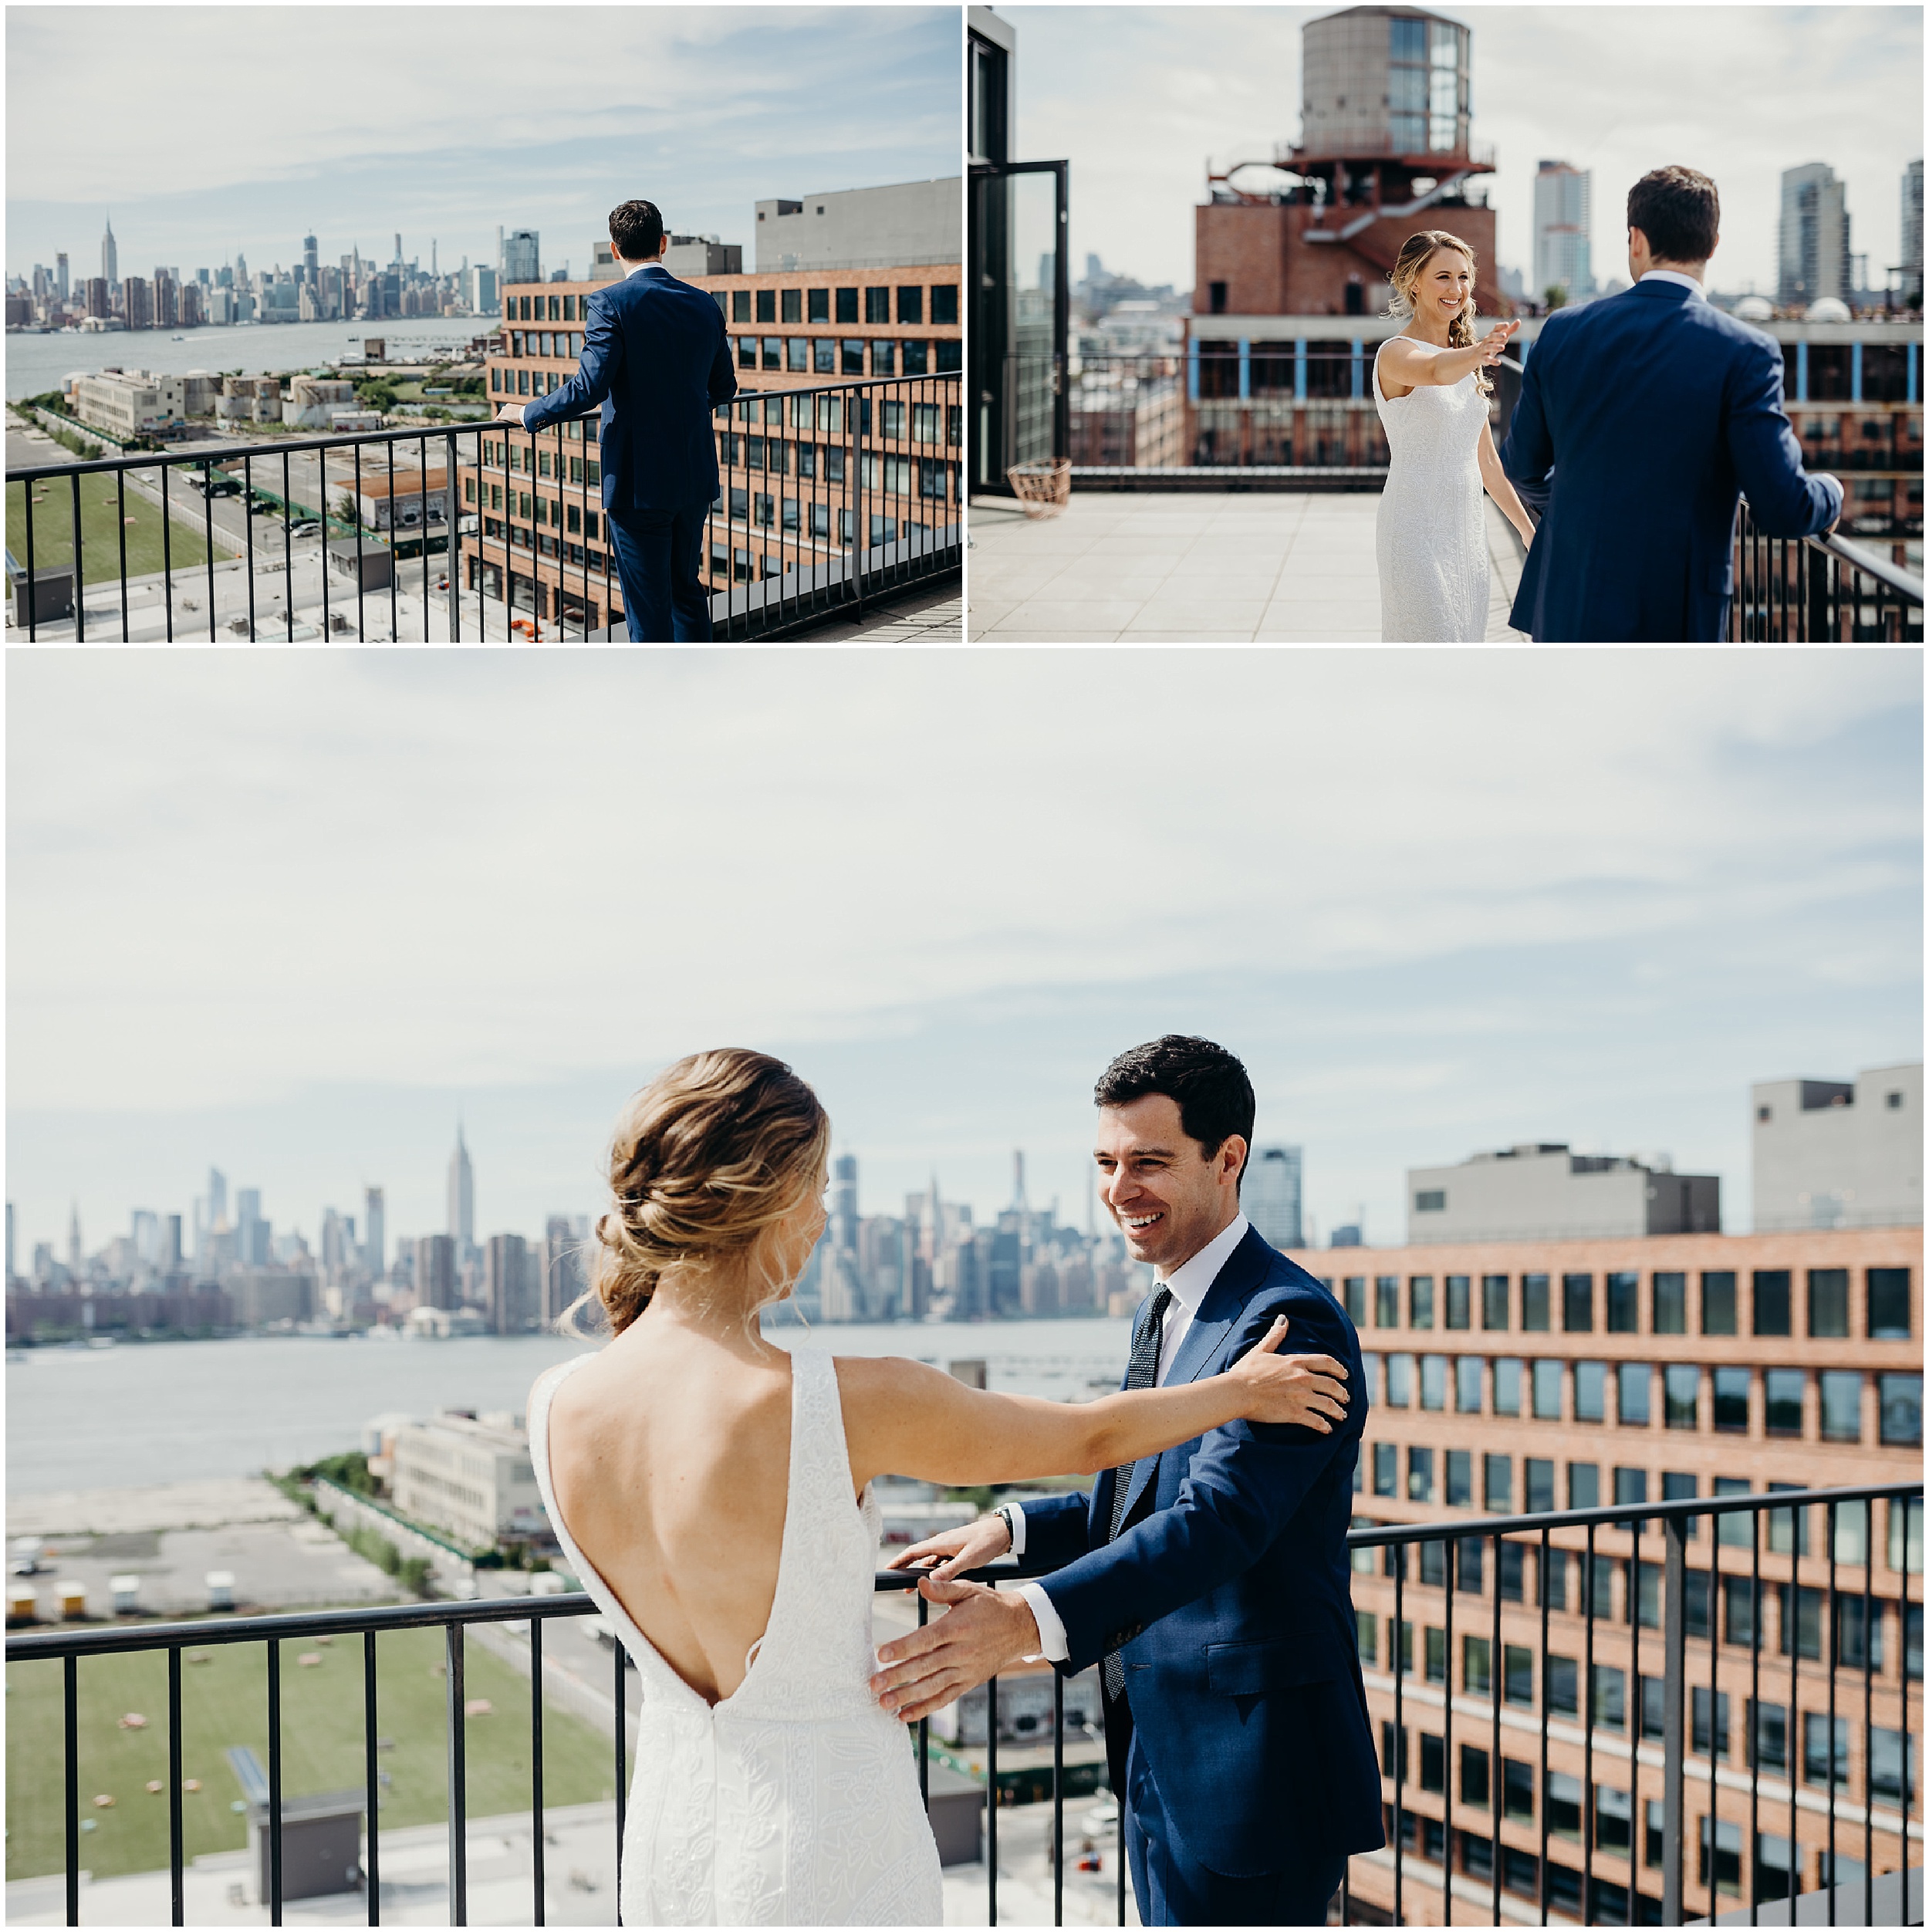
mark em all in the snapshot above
pixel 845 355
pixel 817 305
pixel 1617 1304
pixel 1891 1761
pixel 895 475
pixel 1549 1391
pixel 745 567
pixel 1785 1531
pixel 897 419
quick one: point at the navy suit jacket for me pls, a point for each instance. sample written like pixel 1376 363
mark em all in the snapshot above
pixel 1653 411
pixel 1231 1602
pixel 656 356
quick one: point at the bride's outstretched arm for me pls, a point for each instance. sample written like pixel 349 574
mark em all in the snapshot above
pixel 910 1420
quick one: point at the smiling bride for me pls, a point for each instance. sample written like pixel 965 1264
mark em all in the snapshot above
pixel 1431 389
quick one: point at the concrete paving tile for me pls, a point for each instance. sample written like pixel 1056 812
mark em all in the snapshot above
pixel 1033 634
pixel 1221 585
pixel 1135 636
pixel 1072 613
pixel 1205 614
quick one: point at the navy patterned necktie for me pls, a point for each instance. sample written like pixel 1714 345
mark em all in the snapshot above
pixel 1140 1372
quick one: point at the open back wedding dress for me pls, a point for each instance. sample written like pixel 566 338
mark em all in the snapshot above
pixel 794 1801
pixel 1431 539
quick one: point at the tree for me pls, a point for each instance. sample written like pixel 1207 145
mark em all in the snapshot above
pixel 1556 297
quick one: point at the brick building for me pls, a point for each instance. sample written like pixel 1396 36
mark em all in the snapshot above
pixel 805 478
pixel 1517 1376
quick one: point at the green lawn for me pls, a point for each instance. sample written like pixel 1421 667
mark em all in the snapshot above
pixel 223 1702
pixel 100 514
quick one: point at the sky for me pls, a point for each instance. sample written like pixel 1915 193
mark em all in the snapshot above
pixel 209 129
pixel 293 914
pixel 1140 97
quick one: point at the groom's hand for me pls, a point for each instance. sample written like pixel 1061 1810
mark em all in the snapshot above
pixel 510 413
pixel 982 1631
pixel 952 1550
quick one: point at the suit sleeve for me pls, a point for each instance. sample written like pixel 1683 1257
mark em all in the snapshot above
pixel 1056 1532
pixel 723 371
pixel 1528 454
pixel 597 373
pixel 1783 498
pixel 1245 1484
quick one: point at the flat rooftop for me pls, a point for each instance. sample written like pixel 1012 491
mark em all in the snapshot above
pixel 1152 567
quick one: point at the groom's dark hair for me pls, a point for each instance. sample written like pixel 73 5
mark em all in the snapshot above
pixel 1680 212
pixel 636 230
pixel 1214 1096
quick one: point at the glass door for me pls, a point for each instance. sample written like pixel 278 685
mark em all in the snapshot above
pixel 1020 308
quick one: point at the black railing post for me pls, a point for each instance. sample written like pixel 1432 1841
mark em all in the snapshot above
pixel 1494 1683
pixel 458 1773
pixel 1674 1654
pixel 1833 1646
pixel 371 1779
pixel 32 599
pixel 1587 1739
pixel 1058 1796
pixel 1755 1715
pixel 923 1725
pixel 207 518
pixel 176 1893
pixel 70 1703
pixel 1868 1706
pixel 120 527
pixel 1546 1705
pixel 537 1901
pixel 623 1763
pixel 1399 1730
pixel 79 570
pixel 1452 1552
pixel 274 1782
pixel 990 1811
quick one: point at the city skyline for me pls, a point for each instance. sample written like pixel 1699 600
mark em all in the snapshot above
pixel 281 914
pixel 737 105
pixel 1139 105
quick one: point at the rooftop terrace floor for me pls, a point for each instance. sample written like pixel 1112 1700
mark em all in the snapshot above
pixel 1158 567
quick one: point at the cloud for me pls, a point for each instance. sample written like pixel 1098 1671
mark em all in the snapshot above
pixel 1138 97
pixel 449 120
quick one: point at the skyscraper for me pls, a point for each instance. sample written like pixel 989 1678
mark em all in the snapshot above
pixel 217 1197
pixel 1912 238
pixel 461 1195
pixel 73 1238
pixel 1814 236
pixel 435 1271
pixel 521 256
pixel 1563 228
pixel 843 1204
pixel 375 1241
pixel 252 1232
pixel 60 260
pixel 1272 1193
pixel 311 256
pixel 506 1284
pixel 110 257
pixel 563 1276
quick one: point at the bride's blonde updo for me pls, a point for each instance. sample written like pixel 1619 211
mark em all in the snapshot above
pixel 1415 253
pixel 707 1160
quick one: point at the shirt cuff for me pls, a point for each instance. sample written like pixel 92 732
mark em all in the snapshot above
pixel 1052 1645
pixel 1018 1527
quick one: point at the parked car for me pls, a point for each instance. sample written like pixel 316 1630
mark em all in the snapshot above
pixel 308 527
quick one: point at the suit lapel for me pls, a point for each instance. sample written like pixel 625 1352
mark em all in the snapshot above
pixel 1240 1273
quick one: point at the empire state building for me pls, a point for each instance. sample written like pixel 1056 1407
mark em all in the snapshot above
pixel 109 256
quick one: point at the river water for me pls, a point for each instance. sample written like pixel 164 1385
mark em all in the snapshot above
pixel 36 363
pixel 141 1413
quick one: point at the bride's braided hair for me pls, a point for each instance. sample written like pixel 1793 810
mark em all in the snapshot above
pixel 706 1159
pixel 1415 253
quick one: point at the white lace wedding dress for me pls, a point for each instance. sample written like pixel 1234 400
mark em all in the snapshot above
pixel 793 1802
pixel 1431 537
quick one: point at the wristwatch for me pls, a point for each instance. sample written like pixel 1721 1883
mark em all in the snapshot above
pixel 1004 1514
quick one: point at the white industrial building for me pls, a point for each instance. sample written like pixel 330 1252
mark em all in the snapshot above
pixel 1544 1191
pixel 1840 1154
pixel 470 1476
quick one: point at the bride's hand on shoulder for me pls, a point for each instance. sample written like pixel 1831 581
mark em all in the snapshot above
pixel 1302 1390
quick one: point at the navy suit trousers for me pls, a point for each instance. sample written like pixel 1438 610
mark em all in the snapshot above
pixel 1172 1888
pixel 660 560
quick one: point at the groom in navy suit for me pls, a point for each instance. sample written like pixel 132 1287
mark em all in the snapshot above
pixel 1651 411
pixel 656 356
pixel 1210 1584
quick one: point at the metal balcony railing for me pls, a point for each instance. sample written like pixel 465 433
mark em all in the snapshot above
pixel 1847 1648
pixel 1819 589
pixel 829 496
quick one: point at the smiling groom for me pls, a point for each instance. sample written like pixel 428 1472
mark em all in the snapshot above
pixel 1211 1584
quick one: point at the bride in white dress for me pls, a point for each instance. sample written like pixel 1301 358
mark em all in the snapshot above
pixel 713 1494
pixel 1431 389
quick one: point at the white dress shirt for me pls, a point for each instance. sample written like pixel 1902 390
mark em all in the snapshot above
pixel 1189 1283
pixel 1674 274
